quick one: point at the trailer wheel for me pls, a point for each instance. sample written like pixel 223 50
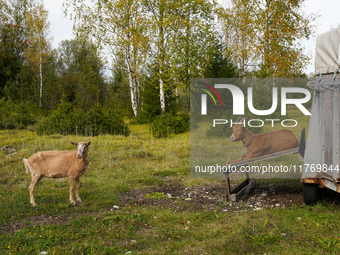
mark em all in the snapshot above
pixel 310 193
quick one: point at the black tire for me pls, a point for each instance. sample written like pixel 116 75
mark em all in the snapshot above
pixel 310 193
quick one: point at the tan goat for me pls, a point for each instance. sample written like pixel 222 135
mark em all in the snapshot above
pixel 58 164
pixel 261 144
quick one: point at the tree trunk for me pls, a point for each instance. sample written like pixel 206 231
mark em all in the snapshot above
pixel 133 89
pixel 41 81
pixel 133 93
pixel 176 93
pixel 162 58
pixel 185 104
pixel 161 92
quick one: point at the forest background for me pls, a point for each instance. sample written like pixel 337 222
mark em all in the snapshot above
pixel 133 59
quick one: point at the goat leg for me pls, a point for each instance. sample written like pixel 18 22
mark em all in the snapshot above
pixel 246 156
pixel 71 190
pixel 77 189
pixel 35 180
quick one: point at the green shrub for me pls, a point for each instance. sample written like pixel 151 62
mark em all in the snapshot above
pixel 181 123
pixel 149 95
pixel 16 115
pixel 66 120
pixel 166 124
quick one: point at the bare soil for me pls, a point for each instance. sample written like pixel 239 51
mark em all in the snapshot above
pixel 212 197
pixel 35 220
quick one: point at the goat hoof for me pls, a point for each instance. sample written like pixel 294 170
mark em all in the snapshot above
pixel 34 203
pixel 73 202
pixel 79 200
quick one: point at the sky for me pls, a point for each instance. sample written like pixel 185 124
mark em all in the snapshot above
pixel 61 27
pixel 329 11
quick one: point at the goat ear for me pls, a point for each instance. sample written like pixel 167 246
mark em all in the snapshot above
pixel 75 144
pixel 89 143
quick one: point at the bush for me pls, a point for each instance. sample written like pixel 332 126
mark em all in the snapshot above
pixel 166 124
pixel 16 115
pixel 66 120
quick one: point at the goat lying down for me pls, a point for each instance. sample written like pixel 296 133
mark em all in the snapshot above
pixel 262 144
pixel 58 164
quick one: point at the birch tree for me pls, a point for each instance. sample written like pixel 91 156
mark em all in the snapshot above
pixel 39 44
pixel 119 27
pixel 265 36
pixel 194 39
pixel 240 36
pixel 283 26
pixel 163 26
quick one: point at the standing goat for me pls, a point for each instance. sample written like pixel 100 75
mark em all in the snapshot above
pixel 261 144
pixel 58 164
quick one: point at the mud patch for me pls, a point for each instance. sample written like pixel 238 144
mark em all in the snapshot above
pixel 272 196
pixel 212 197
pixel 31 221
pixel 137 197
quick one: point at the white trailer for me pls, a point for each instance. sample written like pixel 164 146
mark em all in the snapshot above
pixel 321 154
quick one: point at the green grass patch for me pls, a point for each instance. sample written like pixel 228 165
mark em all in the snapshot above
pixel 145 169
pixel 156 195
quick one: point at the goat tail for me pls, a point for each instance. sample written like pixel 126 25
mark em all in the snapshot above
pixel 27 167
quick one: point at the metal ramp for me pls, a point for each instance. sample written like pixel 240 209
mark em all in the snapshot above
pixel 247 185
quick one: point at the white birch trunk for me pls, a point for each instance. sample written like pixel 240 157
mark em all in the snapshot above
pixel 41 80
pixel 161 92
pixel 176 93
pixel 133 89
pixel 138 90
pixel 133 93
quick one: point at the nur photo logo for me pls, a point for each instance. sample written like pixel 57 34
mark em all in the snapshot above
pixel 248 109
pixel 238 99
pixel 204 96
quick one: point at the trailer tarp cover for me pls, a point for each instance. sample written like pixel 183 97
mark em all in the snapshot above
pixel 327 58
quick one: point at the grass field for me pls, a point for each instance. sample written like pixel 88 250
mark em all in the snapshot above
pixel 139 173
